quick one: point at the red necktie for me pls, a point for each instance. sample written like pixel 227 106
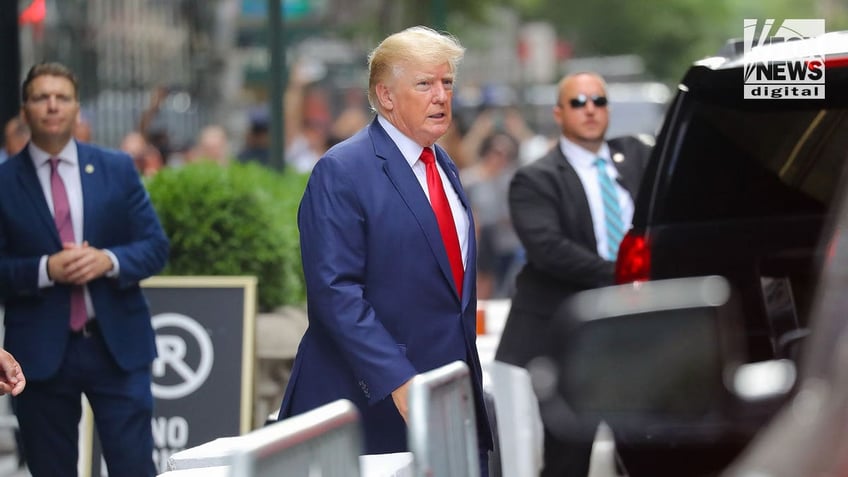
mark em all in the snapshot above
pixel 444 216
pixel 62 217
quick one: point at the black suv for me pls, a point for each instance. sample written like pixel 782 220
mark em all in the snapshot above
pixel 740 187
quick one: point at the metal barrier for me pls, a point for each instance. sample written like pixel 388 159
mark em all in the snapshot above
pixel 442 425
pixel 519 420
pixel 326 441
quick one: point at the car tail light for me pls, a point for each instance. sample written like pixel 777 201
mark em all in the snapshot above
pixel 634 259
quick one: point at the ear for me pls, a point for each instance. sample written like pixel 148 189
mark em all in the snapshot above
pixel 385 97
pixel 557 114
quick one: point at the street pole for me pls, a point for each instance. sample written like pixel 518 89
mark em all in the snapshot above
pixel 277 77
pixel 10 61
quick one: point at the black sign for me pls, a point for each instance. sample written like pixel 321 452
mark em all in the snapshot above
pixel 205 342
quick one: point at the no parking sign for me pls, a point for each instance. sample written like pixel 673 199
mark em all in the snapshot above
pixel 203 375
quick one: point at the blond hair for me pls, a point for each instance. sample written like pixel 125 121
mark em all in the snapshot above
pixel 418 44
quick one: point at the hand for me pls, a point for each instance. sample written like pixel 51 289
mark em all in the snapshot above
pixel 78 264
pixel 401 398
pixel 12 380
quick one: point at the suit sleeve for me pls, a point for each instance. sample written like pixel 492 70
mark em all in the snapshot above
pixel 333 240
pixel 147 251
pixel 536 212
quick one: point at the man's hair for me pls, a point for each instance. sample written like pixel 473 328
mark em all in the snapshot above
pixel 571 76
pixel 48 69
pixel 496 139
pixel 417 44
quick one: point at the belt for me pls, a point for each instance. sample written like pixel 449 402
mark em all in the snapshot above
pixel 89 328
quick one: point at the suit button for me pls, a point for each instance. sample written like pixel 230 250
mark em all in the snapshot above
pixel 364 388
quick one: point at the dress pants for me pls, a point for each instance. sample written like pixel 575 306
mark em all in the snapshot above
pixel 49 413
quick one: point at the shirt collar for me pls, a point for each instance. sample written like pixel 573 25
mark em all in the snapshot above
pixel 40 156
pixel 410 149
pixel 582 158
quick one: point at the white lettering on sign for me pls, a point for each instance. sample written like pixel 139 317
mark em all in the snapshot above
pixel 172 355
pixel 170 432
pixel 170 435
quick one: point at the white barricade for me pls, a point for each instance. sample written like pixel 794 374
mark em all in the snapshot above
pixel 442 425
pixel 210 454
pixel 216 471
pixel 519 423
pixel 326 441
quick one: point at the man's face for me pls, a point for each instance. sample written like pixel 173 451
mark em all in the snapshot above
pixel 51 111
pixel 584 123
pixel 418 101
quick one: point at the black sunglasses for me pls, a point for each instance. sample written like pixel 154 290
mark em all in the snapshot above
pixel 581 100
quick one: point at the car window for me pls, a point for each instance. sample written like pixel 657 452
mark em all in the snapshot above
pixel 745 161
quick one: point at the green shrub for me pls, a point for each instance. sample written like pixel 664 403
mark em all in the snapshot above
pixel 235 220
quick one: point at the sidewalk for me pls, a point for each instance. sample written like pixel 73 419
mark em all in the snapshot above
pixel 9 466
pixel 8 457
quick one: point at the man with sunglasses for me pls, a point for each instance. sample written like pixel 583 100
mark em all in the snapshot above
pixel 570 236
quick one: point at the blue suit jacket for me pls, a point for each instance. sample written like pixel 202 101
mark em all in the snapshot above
pixel 381 299
pixel 117 216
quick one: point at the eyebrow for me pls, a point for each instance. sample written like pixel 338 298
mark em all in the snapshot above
pixel 430 77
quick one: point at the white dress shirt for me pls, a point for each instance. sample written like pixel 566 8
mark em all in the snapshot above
pixel 583 162
pixel 411 152
pixel 69 171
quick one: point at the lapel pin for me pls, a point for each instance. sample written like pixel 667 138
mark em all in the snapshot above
pixel 89 168
pixel 618 157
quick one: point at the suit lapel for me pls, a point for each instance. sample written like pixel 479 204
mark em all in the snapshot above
pixel 32 188
pixel 88 171
pixel 575 197
pixel 407 186
pixel 625 168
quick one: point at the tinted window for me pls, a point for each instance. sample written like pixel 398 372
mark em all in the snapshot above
pixel 764 161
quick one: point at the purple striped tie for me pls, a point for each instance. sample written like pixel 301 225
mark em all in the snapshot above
pixel 62 217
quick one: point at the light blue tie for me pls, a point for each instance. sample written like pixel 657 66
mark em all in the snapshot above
pixel 612 210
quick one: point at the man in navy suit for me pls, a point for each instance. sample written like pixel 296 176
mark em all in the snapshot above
pixel 390 288
pixel 77 235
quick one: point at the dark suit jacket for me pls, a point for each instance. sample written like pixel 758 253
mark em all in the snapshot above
pixel 551 215
pixel 380 294
pixel 117 216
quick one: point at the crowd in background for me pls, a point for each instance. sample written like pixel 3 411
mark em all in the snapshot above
pixel 486 144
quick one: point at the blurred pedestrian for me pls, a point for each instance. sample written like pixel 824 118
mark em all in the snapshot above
pixel 307 122
pixel 487 186
pixel 82 127
pixel 152 126
pixel 389 250
pixel 213 145
pixel 257 140
pixel 15 138
pixel 77 235
pixel 146 158
pixel 570 209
